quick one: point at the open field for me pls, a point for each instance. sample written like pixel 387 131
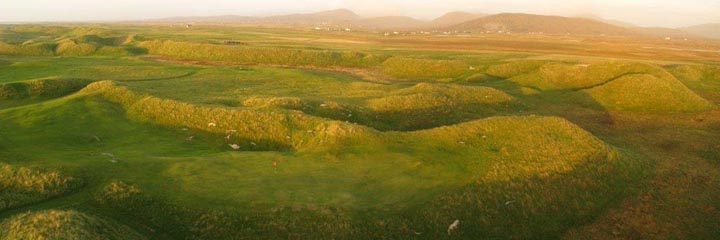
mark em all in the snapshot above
pixel 134 131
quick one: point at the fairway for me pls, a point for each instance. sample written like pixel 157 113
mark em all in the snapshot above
pixel 219 131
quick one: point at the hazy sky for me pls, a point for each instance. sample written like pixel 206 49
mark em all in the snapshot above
pixel 670 13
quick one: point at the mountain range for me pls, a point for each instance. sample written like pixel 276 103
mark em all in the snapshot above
pixel 463 22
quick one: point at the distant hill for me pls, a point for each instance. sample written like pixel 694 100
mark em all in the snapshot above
pixel 608 21
pixel 711 30
pixel 339 16
pixel 454 18
pixel 392 23
pixel 664 32
pixel 525 23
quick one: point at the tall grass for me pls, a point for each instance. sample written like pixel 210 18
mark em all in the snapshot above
pixel 20 186
pixel 259 55
pixel 63 224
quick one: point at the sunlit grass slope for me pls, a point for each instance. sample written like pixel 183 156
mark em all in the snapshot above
pixel 63 224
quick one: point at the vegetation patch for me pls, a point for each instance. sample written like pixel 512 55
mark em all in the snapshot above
pixel 63 224
pixel 21 186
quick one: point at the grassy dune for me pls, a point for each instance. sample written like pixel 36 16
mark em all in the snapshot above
pixel 21 186
pixel 63 224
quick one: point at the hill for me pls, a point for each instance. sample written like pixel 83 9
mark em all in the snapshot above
pixel 454 18
pixel 711 30
pixel 339 16
pixel 527 23
pixel 392 23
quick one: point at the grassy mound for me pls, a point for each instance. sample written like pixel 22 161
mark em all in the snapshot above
pixel 21 186
pixel 412 68
pixel 514 68
pixel 703 79
pixel 481 160
pixel 429 105
pixel 252 128
pixel 259 55
pixel 36 49
pixel 44 88
pixel 560 76
pixel 63 224
pixel 648 93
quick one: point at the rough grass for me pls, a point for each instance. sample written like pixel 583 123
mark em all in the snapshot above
pixel 21 186
pixel 259 55
pixel 412 68
pixel 63 224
